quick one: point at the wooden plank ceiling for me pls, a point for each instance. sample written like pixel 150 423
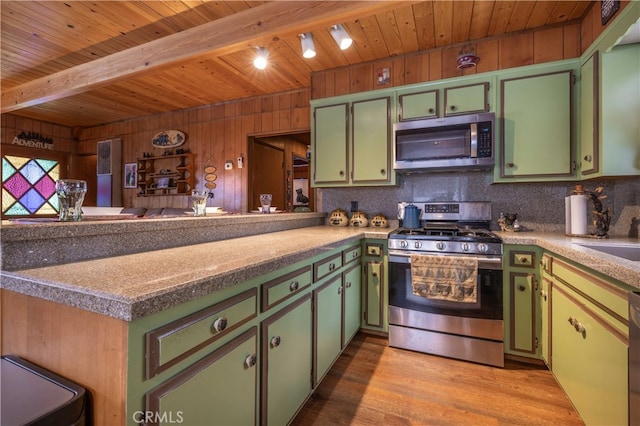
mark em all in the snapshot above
pixel 85 63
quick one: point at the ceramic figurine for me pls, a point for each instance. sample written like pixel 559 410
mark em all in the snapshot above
pixel 359 219
pixel 379 221
pixel 338 218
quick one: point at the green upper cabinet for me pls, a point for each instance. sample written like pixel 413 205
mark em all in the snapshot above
pixel 352 142
pixel 418 105
pixel 472 98
pixel 589 116
pixel 445 99
pixel 330 144
pixel 536 135
pixel 617 143
pixel 610 102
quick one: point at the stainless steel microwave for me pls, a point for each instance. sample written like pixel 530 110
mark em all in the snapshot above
pixel 459 142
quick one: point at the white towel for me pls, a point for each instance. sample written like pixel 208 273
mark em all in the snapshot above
pixel 452 278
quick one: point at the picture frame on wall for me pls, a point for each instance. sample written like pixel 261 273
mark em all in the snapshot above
pixel 131 175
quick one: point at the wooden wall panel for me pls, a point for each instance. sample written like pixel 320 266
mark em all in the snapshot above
pixel 548 45
pixel 86 348
pixel 500 52
pixel 516 51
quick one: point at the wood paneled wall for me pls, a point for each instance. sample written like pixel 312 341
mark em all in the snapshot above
pixel 526 48
pixel 215 133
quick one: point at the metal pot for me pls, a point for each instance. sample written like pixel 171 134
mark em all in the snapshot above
pixel 411 217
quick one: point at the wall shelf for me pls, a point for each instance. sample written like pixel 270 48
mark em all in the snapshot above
pixel 177 169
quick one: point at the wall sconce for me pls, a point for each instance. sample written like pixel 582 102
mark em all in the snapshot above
pixel 341 37
pixel 260 61
pixel 467 57
pixel 308 47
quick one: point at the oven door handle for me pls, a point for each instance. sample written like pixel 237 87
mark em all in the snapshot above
pixel 483 262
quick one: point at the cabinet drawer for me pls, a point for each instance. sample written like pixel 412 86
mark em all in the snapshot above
pixel 522 259
pixel 326 266
pixel 599 293
pixel 351 254
pixel 280 289
pixel 169 344
pixel 374 250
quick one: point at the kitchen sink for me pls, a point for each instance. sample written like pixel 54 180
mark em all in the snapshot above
pixel 625 251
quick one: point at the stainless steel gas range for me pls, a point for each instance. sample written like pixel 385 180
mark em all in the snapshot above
pixel 445 283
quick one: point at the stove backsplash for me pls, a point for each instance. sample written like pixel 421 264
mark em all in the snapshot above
pixel 540 206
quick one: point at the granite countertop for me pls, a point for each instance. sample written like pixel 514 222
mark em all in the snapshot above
pixel 129 286
pixel 132 286
pixel 626 271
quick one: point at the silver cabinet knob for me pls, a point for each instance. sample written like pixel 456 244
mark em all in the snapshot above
pixel 294 286
pixel 220 324
pixel 275 341
pixel 251 360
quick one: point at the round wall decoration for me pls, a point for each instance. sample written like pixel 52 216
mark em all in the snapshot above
pixel 168 139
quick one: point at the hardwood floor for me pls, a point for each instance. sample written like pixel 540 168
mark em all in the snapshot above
pixel 374 384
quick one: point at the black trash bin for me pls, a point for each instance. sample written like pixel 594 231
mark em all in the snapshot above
pixel 32 395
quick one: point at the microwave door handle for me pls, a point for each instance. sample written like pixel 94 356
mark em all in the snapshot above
pixel 474 140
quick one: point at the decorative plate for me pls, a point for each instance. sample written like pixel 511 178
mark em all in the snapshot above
pixel 168 139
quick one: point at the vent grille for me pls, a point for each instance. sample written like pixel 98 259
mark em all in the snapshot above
pixel 104 158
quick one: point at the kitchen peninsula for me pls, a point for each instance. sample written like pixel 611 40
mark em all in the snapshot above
pixel 70 307
pixel 73 312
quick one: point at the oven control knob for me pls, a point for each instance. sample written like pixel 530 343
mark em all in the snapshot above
pixel 404 244
pixel 417 244
pixel 482 248
pixel 465 247
pixel 440 245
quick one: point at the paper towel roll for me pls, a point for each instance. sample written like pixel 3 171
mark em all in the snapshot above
pixel 567 214
pixel 578 214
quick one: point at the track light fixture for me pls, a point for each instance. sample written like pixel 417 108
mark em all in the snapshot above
pixel 260 61
pixel 308 47
pixel 341 37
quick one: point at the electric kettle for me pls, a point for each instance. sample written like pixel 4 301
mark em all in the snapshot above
pixel 411 217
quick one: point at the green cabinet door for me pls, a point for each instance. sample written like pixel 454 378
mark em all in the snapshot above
pixel 330 144
pixel 351 279
pixel 374 291
pixel 418 105
pixel 544 300
pixel 327 326
pixel 523 312
pixel 536 139
pixel 220 389
pixel 472 98
pixel 371 139
pixel 589 116
pixel 286 362
pixel 589 360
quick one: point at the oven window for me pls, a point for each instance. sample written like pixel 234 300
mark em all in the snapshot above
pixel 489 304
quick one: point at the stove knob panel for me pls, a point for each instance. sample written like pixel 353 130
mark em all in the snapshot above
pixel 440 245
pixel 482 248
pixel 465 247
pixel 417 244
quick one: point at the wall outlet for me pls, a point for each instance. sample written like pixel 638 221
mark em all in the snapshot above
pixel 240 162
pixel 228 165
pixel 354 206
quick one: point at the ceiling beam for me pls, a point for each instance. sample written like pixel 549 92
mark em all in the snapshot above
pixel 235 32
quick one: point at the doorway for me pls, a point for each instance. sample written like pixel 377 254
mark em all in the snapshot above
pixel 279 165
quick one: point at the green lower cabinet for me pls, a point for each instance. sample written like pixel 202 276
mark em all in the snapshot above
pixel 545 320
pixel 352 294
pixel 523 313
pixel 521 301
pixel 220 389
pixel 286 362
pixel 327 300
pixel 589 360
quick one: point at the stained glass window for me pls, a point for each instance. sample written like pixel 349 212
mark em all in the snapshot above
pixel 28 186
